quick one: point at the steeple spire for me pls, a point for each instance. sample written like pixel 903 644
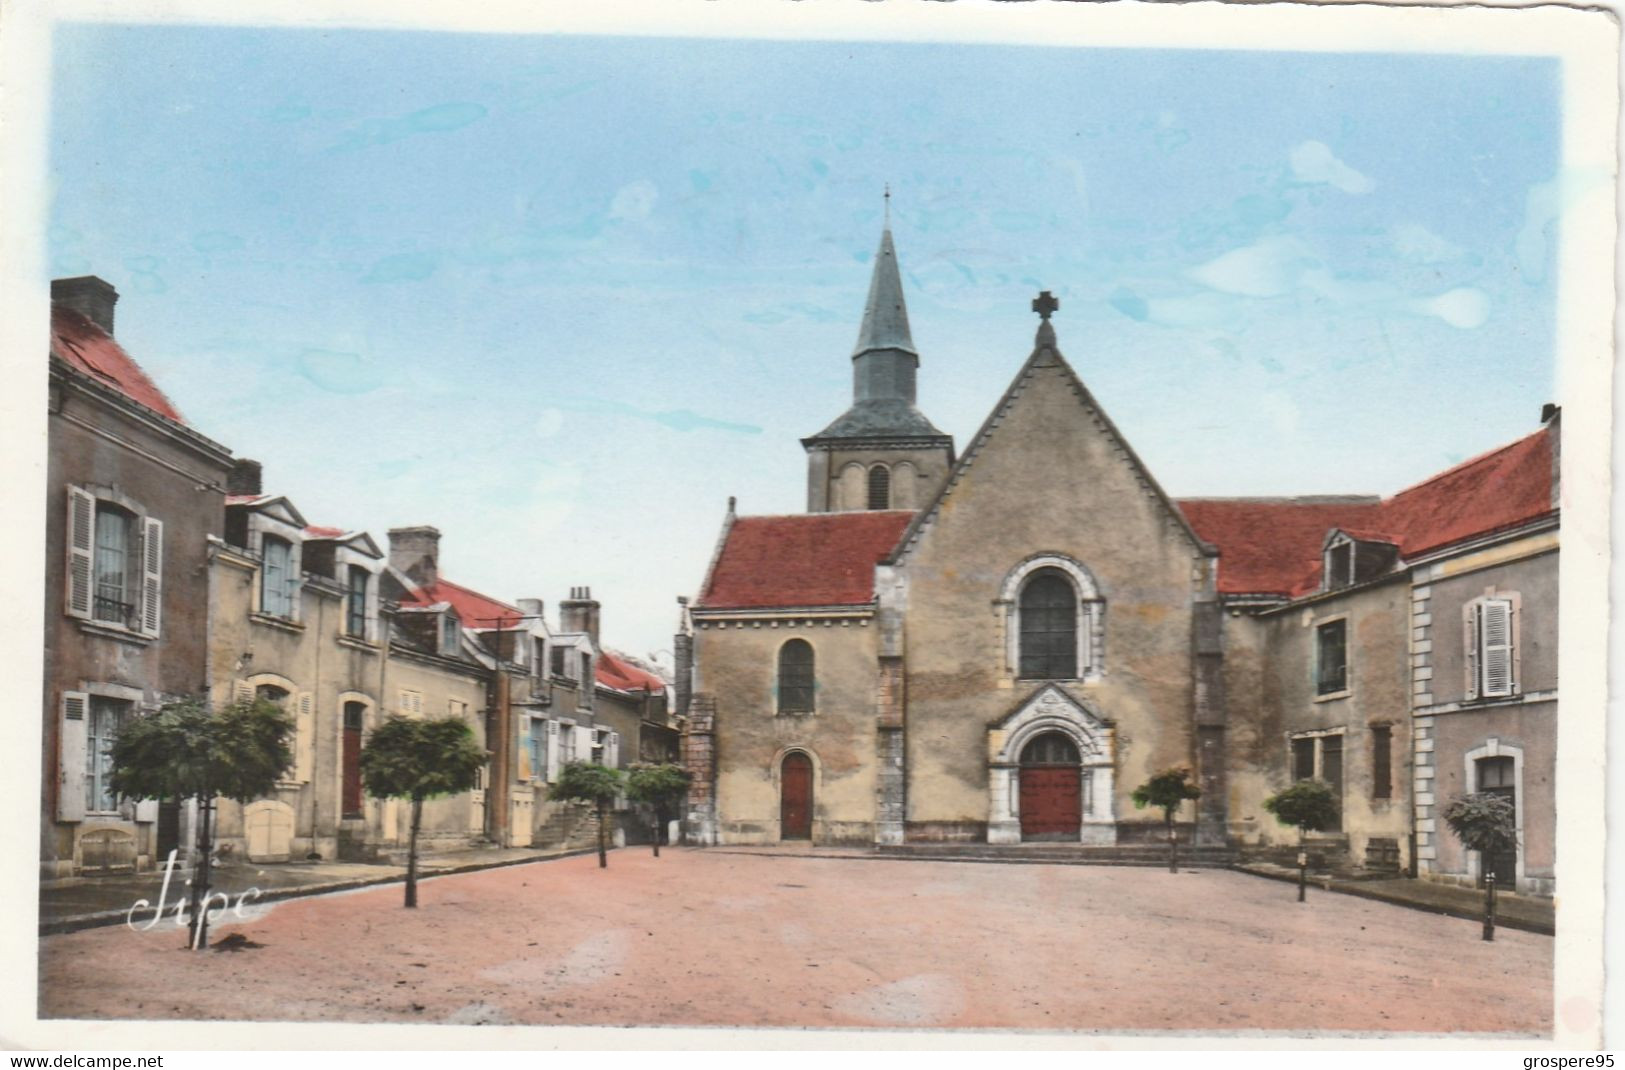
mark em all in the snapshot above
pixel 885 318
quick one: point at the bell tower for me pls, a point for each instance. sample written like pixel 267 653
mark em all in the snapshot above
pixel 882 453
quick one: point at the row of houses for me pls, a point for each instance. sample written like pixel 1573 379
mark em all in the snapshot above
pixel 173 572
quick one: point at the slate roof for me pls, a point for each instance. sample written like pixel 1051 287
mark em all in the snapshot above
pixel 621 675
pixel 816 559
pixel 86 348
pixel 476 610
pixel 885 317
pixel 1273 545
pixel 880 418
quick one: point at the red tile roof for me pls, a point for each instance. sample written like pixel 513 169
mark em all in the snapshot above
pixel 1273 546
pixel 474 609
pixel 818 559
pixel 89 349
pixel 320 531
pixel 624 676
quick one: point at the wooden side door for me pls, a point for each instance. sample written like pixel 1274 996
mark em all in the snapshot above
pixel 350 762
pixel 796 798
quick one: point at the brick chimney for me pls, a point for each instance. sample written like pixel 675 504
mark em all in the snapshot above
pixel 416 552
pixel 579 613
pixel 244 477
pixel 89 296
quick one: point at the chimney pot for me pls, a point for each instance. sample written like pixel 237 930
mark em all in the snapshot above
pixel 244 477
pixel 91 297
pixel 416 552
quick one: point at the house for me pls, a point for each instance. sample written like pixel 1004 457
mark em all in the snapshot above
pixel 998 645
pixel 134 496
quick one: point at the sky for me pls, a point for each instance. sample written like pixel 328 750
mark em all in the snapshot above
pixel 562 296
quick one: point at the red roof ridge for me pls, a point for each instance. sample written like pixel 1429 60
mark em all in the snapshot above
pixel 92 350
pixel 1468 463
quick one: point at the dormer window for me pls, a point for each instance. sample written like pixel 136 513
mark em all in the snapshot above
pixel 450 634
pixel 558 661
pixel 1339 565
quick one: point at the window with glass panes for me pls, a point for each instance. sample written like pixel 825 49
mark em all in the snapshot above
pixel 355 604
pixel 797 678
pixel 276 577
pixel 116 565
pixel 1331 657
pixel 1049 627
pixel 106 717
pixel 879 487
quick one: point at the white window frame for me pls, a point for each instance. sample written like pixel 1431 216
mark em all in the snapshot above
pixel 1314 657
pixel 144 560
pixel 1477 651
pixel 1337 541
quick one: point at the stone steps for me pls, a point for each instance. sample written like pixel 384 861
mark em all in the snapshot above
pixel 1062 853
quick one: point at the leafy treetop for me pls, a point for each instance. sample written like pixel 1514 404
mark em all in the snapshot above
pixel 661 785
pixel 1309 804
pixel 185 750
pixel 589 783
pixel 414 759
pixel 1168 789
pixel 1483 822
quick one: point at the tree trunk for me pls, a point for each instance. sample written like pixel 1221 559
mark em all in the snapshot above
pixel 1173 844
pixel 1303 863
pixel 199 929
pixel 657 831
pixel 412 855
pixel 603 855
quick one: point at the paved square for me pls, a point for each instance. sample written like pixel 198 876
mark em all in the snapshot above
pixel 707 937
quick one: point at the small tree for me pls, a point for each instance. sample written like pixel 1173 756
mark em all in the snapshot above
pixel 186 750
pixel 662 787
pixel 1168 789
pixel 1486 823
pixel 413 759
pixel 1312 807
pixel 596 784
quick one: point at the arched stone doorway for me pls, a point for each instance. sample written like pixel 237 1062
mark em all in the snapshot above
pixel 1051 789
pixel 1058 737
pixel 795 797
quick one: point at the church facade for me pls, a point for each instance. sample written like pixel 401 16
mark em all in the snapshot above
pixel 999 645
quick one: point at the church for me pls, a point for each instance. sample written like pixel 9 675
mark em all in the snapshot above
pixel 997 644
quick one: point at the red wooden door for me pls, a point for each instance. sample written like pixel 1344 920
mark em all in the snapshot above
pixel 796 798
pixel 350 762
pixel 1051 803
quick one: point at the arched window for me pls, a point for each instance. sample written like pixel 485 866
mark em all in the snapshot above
pixel 1049 627
pixel 1051 748
pixel 796 677
pixel 880 487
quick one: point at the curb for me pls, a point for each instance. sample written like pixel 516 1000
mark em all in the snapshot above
pixel 1502 921
pixel 880 856
pixel 102 918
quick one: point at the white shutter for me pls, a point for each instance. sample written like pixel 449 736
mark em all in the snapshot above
pixel 146 810
pixel 614 750
pixel 304 738
pixel 552 750
pixel 70 790
pixel 295 579
pixel 81 550
pixel 1469 648
pixel 152 576
pixel 1496 630
pixel 244 692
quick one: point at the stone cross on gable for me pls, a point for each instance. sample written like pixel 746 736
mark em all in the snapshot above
pixel 1045 303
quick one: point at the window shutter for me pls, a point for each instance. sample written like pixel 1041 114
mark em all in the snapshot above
pixel 152 579
pixel 1469 648
pixel 244 692
pixel 524 748
pixel 295 580
pixel 614 750
pixel 81 550
pixel 70 791
pixel 552 750
pixel 304 738
pixel 146 810
pixel 1496 640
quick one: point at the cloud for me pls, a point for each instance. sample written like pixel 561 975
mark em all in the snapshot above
pixel 1464 307
pixel 634 201
pixel 439 119
pixel 1419 245
pixel 675 419
pixel 1546 201
pixel 1313 162
pixel 403 267
pixel 1268 268
pixel 341 373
